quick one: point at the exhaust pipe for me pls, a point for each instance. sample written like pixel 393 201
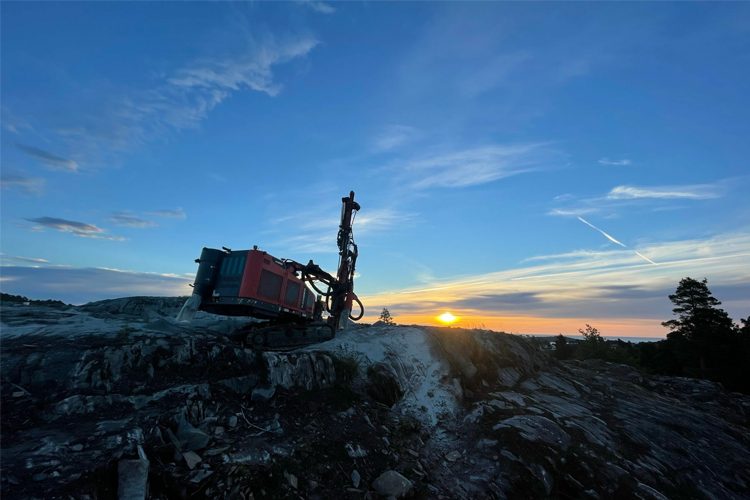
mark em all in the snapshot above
pixel 205 282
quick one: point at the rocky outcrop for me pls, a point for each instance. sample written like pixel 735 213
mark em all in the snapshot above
pixel 98 401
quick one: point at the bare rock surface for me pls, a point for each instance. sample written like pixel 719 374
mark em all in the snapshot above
pixel 392 484
pixel 93 396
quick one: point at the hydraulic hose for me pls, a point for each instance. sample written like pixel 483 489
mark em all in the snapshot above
pixel 312 284
pixel 361 310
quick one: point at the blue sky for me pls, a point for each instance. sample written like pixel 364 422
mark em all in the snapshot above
pixel 486 143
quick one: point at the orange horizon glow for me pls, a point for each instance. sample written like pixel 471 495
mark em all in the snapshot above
pixel 529 325
pixel 554 294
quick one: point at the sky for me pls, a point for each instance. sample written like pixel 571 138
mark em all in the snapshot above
pixel 528 167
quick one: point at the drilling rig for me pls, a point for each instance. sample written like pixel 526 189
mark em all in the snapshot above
pixel 288 298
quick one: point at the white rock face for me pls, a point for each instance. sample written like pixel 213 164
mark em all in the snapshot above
pixel 413 357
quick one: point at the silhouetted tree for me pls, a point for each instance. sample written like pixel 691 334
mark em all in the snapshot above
pixel 700 328
pixel 563 350
pixel 386 317
pixel 702 342
pixel 744 327
pixel 593 345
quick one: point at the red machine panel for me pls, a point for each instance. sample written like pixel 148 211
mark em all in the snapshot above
pixel 267 279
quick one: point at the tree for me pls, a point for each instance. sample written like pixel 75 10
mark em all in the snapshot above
pixel 593 345
pixel 563 350
pixel 386 317
pixel 744 330
pixel 701 327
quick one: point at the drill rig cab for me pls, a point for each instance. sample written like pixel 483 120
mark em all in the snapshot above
pixel 288 297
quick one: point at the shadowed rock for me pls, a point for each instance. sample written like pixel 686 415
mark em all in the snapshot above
pixel 458 413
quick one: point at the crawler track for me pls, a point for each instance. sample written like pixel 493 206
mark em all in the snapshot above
pixel 284 337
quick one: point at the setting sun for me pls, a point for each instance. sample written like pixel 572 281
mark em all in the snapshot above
pixel 447 318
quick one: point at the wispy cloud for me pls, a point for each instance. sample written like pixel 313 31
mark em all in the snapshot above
pixel 696 192
pixel 576 254
pixel 13 123
pixel 619 163
pixel 25 259
pixel 81 229
pixel 315 230
pixel 475 166
pixel 605 234
pixel 176 213
pixel 178 100
pixel 320 7
pixel 394 136
pixel 12 179
pixel 381 219
pixel 50 161
pixel 573 211
pixel 631 195
pixel 252 71
pixel 130 220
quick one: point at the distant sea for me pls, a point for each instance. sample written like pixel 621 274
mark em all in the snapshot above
pixel 635 340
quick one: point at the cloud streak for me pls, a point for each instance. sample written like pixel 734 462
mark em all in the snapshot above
pixel 176 213
pixel 695 192
pixel 393 137
pixel 322 8
pixel 617 163
pixel 81 229
pixel 472 167
pixel 26 259
pixel 50 161
pixel 130 220
pixel 12 179
pixel 15 124
pixel 632 195
pixel 572 211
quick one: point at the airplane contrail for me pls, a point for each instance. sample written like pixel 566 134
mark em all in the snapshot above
pixel 614 240
pixel 644 257
pixel 605 234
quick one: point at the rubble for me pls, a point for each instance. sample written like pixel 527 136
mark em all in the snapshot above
pixel 194 439
pixel 132 479
pixel 118 400
pixel 191 459
pixel 392 484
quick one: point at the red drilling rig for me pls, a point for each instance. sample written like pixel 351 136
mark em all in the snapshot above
pixel 279 292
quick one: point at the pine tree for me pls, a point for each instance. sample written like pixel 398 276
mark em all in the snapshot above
pixel 700 325
pixel 386 317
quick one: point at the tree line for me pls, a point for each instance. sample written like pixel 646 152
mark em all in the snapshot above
pixel 703 342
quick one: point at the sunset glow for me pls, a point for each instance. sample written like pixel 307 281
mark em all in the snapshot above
pixel 447 318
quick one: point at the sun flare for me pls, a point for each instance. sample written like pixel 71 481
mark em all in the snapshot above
pixel 447 318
